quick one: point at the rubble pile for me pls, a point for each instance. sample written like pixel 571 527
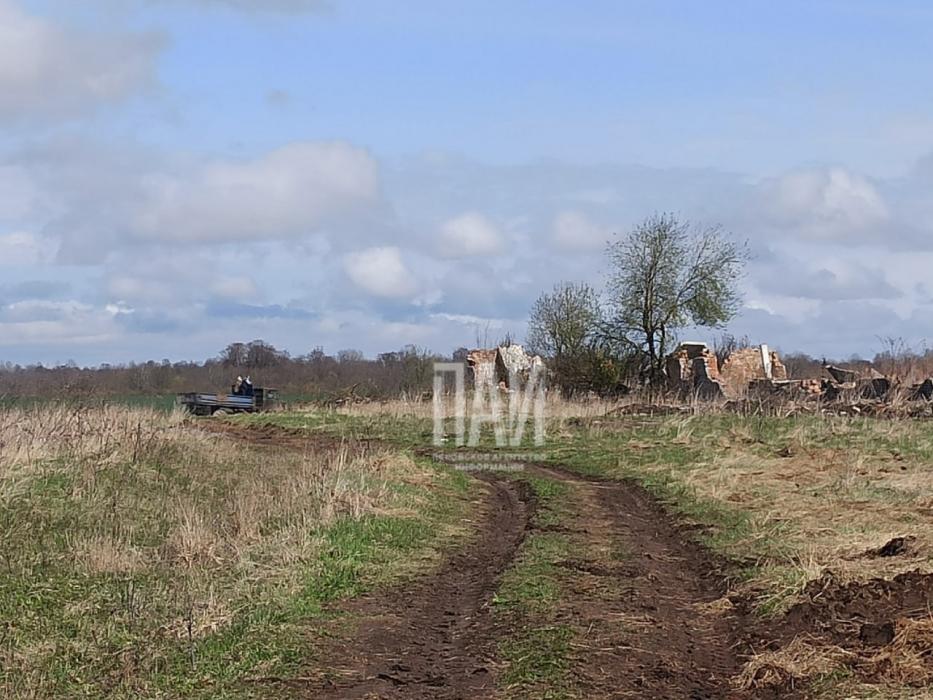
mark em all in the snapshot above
pixel 756 374
pixel 693 369
pixel 749 379
pixel 498 366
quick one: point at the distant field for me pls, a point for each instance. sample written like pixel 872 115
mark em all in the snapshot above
pixel 158 402
pixel 155 402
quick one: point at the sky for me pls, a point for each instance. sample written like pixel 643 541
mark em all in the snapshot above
pixel 176 175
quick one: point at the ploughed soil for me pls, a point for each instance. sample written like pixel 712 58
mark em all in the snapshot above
pixel 652 618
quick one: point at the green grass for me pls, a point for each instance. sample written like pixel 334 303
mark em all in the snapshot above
pixel 538 663
pixel 532 585
pixel 735 478
pixel 404 433
pixel 536 652
pixel 77 631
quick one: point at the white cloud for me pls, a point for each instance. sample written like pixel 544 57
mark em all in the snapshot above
pixel 118 309
pixel 469 235
pixel 166 282
pixel 381 272
pixel 23 248
pixel 35 309
pixel 36 321
pixel 139 289
pixel 828 203
pixel 240 288
pixel 470 320
pixel 50 70
pixel 573 231
pixel 286 193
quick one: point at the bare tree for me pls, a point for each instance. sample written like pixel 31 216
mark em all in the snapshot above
pixel 349 355
pixel 564 321
pixel 727 344
pixel 665 275
pixel 563 328
pixel 261 354
pixel 235 355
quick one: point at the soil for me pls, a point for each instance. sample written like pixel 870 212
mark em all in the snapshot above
pixel 652 622
pixel 435 637
pixel 655 623
pixel 859 615
pixel 277 437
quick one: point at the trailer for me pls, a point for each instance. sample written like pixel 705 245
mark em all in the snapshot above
pixel 202 404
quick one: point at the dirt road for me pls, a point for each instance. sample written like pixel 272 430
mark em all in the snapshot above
pixel 645 603
pixel 434 638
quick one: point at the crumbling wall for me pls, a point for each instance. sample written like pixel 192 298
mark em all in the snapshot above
pixel 748 365
pixel 497 366
pixel 693 369
pixel 511 360
pixel 483 364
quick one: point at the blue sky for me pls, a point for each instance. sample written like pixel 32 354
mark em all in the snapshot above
pixel 179 174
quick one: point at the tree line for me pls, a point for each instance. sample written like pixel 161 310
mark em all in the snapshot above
pixel 663 276
pixel 312 376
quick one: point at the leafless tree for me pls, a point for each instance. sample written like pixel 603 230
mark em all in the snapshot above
pixel 235 355
pixel 727 344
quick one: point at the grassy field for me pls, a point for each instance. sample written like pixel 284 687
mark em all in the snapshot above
pixel 782 500
pixel 145 557
pixel 785 498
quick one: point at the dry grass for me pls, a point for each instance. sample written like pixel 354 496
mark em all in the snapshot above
pixel 556 408
pixel 130 529
pixel 908 660
pixel 793 664
pixel 827 490
pixel 793 498
pixel 105 554
pixel 819 492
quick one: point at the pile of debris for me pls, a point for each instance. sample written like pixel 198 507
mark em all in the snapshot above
pixel 503 366
pixel 693 369
pixel 757 374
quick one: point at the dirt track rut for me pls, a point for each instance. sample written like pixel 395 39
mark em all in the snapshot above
pixel 433 638
pixel 650 623
pixel 644 601
pixel 652 619
pixel 649 626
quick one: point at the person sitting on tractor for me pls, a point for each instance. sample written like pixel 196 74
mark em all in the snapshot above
pixel 238 387
pixel 248 387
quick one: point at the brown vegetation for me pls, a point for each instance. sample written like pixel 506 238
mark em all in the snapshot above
pixel 131 535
